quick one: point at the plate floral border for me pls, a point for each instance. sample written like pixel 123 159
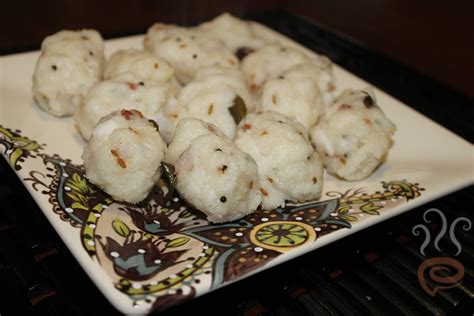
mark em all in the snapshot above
pixel 162 252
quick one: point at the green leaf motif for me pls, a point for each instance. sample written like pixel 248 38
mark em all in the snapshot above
pixel 81 192
pixel 177 242
pixel 370 209
pixel 74 197
pixel 121 228
pixel 80 184
pixel 185 214
pixel 349 218
pixel 343 209
pixel 77 205
pixel 15 155
pixel 20 146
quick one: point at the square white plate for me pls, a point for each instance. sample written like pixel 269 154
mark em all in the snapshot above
pixel 156 256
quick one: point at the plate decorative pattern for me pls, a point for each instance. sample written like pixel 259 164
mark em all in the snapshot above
pixel 162 252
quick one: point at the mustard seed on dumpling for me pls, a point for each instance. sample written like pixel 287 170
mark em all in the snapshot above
pixel 187 50
pixel 235 33
pixel 269 62
pixel 186 131
pixel 210 95
pixel 319 72
pixel 354 137
pixel 124 156
pixel 217 178
pixel 289 168
pixel 141 63
pixel 69 64
pixel 295 93
pixel 167 118
pixel 124 91
pixel 63 40
pixel 152 71
pixel 273 60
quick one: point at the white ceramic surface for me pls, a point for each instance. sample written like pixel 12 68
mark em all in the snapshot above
pixel 426 162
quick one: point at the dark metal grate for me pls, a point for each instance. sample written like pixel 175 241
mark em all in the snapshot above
pixel 371 272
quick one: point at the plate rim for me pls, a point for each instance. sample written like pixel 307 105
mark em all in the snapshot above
pixel 96 272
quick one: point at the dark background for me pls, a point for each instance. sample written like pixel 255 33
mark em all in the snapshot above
pixel 370 272
pixel 434 37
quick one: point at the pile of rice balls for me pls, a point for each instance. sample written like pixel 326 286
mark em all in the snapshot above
pixel 235 123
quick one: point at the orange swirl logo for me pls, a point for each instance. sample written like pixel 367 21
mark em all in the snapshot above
pixel 440 272
pixel 445 272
